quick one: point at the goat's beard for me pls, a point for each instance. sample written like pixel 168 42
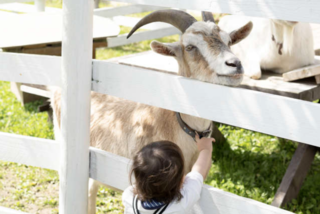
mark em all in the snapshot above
pixel 283 33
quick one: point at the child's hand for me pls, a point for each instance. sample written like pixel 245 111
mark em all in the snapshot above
pixel 204 143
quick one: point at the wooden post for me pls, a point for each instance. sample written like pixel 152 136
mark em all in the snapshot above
pixel 96 3
pixel 40 5
pixel 75 106
pixel 295 174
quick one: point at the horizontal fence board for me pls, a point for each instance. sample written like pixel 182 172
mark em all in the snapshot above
pixel 298 10
pixel 29 151
pixel 4 210
pixel 141 36
pixel 124 10
pixel 28 68
pixel 217 201
pixel 109 169
pixel 25 8
pixel 275 115
pixel 12 1
pixel 113 170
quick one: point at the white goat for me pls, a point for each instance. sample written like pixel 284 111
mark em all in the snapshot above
pixel 279 46
pixel 123 127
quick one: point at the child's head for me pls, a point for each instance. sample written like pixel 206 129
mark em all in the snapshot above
pixel 158 169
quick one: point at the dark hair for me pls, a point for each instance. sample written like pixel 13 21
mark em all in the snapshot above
pixel 158 169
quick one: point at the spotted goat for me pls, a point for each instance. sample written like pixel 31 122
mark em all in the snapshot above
pixel 123 127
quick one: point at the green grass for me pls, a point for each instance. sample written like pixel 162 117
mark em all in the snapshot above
pixel 249 164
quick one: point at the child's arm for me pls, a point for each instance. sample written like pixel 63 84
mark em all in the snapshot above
pixel 203 163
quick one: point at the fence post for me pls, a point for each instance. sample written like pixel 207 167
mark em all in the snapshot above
pixel 75 105
pixel 40 5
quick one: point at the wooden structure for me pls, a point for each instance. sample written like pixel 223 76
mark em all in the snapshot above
pixel 41 33
pixel 271 83
pixel 77 74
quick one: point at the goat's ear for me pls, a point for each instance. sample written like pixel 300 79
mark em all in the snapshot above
pixel 168 49
pixel 238 35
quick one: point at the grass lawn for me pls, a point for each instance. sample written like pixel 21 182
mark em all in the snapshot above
pixel 249 164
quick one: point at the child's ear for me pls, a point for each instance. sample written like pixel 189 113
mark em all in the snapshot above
pixel 240 34
pixel 167 49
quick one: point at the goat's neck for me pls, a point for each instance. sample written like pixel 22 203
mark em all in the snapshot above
pixel 197 123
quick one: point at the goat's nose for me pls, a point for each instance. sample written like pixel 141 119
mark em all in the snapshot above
pixel 234 62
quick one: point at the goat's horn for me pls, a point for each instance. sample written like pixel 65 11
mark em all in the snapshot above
pixel 177 18
pixel 207 16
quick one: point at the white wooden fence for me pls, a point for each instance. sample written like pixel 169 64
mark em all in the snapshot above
pixel 77 74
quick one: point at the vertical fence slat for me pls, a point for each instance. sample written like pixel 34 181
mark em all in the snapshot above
pixel 75 109
pixel 40 5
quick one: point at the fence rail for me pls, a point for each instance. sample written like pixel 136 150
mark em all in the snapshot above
pixel 113 170
pixel 299 10
pixel 271 114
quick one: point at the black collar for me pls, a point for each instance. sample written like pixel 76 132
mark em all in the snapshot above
pixel 187 129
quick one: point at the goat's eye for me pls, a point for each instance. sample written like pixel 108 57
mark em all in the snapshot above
pixel 190 48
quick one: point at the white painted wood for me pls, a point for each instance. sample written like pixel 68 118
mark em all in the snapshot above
pixel 40 5
pixel 141 36
pixel 304 72
pixel 275 115
pixel 4 210
pixel 109 168
pixel 25 8
pixel 124 10
pixel 113 170
pixel 28 68
pixel 12 1
pixel 36 91
pixel 298 10
pixel 46 28
pixel 214 200
pixel 29 151
pixel 132 21
pixel 75 107
pixel 6 15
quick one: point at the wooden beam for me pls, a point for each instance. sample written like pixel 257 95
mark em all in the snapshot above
pixel 40 5
pixel 304 72
pixel 317 79
pixel 33 69
pixel 4 210
pixel 124 10
pixel 29 150
pixel 75 105
pixel 268 8
pixel 113 170
pixel 295 174
pixel 12 1
pixel 275 115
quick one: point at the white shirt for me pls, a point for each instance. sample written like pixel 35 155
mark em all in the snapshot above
pixel 190 191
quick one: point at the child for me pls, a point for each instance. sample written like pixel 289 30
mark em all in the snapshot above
pixel 160 186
